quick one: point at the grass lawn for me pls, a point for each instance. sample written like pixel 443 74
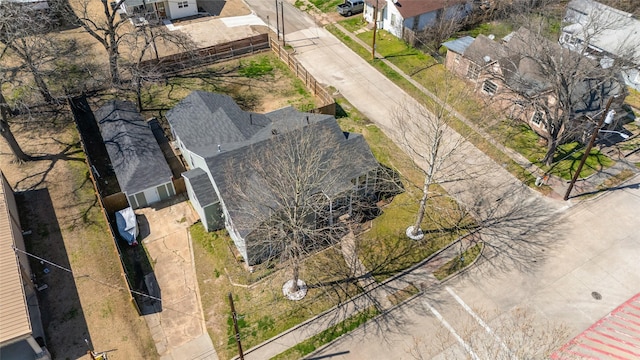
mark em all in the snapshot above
pixel 436 78
pixel 499 29
pixel 385 249
pixel 460 262
pixel 521 138
pixel 257 83
pixel 313 343
pixel 263 311
pixel 633 99
pixel 353 23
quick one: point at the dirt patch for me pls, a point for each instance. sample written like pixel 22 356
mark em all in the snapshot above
pixel 58 205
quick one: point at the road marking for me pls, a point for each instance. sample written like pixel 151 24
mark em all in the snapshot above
pixel 481 322
pixel 452 331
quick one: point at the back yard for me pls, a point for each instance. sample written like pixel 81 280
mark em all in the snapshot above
pixel 91 303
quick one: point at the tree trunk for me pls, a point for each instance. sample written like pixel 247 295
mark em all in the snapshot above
pixel 423 205
pixel 42 86
pixel 551 150
pixel 113 65
pixel 11 140
pixel 296 274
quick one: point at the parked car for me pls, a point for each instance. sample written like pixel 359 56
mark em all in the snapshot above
pixel 351 7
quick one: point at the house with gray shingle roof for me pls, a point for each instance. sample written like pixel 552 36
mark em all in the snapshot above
pixel 230 138
pixel 604 33
pixel 138 162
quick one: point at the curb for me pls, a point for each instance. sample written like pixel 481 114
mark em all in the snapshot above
pixel 353 299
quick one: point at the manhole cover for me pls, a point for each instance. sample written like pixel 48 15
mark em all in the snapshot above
pixel 596 295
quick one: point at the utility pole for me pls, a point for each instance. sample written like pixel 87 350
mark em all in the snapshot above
pixel 277 22
pixel 282 17
pixel 375 27
pixel 588 149
pixel 234 316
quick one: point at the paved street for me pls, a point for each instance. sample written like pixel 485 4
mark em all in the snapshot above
pixel 596 251
pixel 547 256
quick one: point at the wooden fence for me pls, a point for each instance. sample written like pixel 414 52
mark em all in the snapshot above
pixel 78 108
pixel 328 103
pixel 177 63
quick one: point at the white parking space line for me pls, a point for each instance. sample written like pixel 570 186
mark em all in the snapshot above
pixel 452 331
pixel 481 322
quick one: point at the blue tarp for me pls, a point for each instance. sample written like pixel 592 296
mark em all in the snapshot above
pixel 127 225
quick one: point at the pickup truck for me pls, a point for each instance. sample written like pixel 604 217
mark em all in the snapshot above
pixel 351 7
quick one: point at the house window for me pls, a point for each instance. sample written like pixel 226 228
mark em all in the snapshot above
pixel 393 19
pixel 489 87
pixel 183 4
pixel 456 58
pixel 473 71
pixel 537 118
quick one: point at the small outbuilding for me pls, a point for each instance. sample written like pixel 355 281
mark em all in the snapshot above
pixel 138 162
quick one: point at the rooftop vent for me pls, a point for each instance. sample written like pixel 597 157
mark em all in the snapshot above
pixel 486 58
pixel 491 37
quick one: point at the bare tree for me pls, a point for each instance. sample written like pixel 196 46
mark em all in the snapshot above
pixel 29 47
pixel 558 89
pixel 449 20
pixel 105 25
pixel 429 140
pixel 146 65
pixel 5 130
pixel 289 191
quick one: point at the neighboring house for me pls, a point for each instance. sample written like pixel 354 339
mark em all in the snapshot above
pixel 21 333
pixel 214 136
pixel 606 34
pixel 144 10
pixel 138 162
pixel 404 18
pixel 515 82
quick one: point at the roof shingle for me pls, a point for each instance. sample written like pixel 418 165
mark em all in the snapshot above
pixel 135 155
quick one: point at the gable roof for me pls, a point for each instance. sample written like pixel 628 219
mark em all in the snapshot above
pixel 326 133
pixel 14 314
pixel 202 187
pixel 135 154
pixel 204 119
pixel 616 32
pixel 411 8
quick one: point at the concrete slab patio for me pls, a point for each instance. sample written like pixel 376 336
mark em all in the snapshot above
pixel 178 329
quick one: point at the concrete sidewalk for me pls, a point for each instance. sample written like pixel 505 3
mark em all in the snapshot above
pixel 376 294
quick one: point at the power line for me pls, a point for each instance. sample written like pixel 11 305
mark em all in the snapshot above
pixel 84 276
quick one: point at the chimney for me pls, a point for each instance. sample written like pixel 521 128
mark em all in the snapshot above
pixel 307 119
pixel 250 119
pixel 219 149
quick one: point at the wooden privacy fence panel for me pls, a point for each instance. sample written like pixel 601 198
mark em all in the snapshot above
pixel 115 202
pixel 176 63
